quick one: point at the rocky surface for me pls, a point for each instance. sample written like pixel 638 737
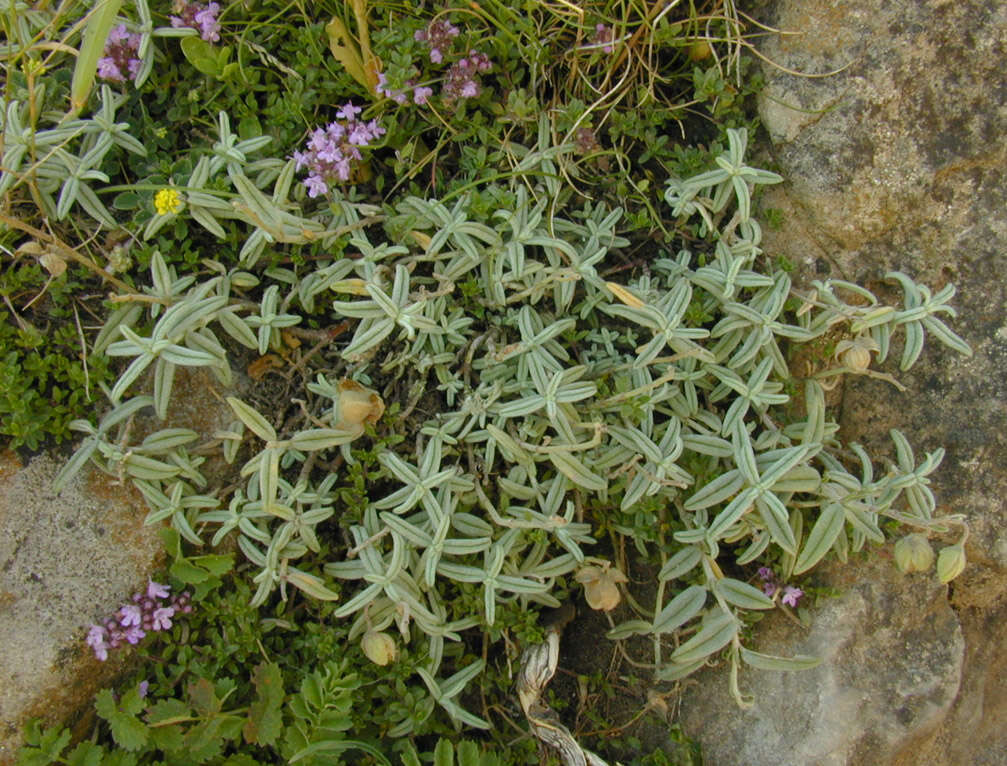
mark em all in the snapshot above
pixel 66 560
pixel 892 651
pixel 69 559
pixel 895 162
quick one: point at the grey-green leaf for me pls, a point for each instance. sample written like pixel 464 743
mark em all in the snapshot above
pixel 715 635
pixel 771 662
pixel 260 427
pixel 679 564
pixel 741 594
pixel 680 609
pixel 823 535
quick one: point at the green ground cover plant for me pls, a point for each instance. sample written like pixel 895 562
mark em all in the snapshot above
pixel 484 293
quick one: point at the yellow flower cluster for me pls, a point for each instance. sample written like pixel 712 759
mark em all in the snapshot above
pixel 167 201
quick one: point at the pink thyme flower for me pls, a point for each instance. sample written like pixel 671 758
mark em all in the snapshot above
pixel 791 595
pixel 156 590
pixel 438 35
pixel 133 621
pixel 134 633
pixel 586 141
pixel 130 614
pixel 119 61
pixel 333 150
pixel 398 96
pixel 603 36
pixel 421 95
pixel 96 640
pixel 162 618
pixel 462 79
pixel 197 16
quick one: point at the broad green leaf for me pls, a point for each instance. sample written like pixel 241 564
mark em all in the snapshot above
pixel 345 51
pixel 169 711
pixel 265 720
pixel 184 570
pixel 370 61
pixel 203 697
pixel 218 564
pixel 201 54
pixel 127 730
pixel 444 753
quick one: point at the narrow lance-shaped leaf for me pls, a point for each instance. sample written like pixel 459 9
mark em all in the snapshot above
pixel 680 609
pixel 98 25
pixel 716 491
pixel 741 594
pixel 310 584
pixel 260 427
pixel 577 472
pixel 823 534
pixel 734 511
pixel 770 662
pixel 715 635
pixel 679 564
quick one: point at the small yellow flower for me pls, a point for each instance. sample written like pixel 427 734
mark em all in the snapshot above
pixel 167 201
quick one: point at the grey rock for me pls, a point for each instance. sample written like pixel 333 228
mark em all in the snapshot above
pixel 895 162
pixel 70 559
pixel 66 561
pixel 892 652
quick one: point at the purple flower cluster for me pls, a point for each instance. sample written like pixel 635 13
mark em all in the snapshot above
pixel 198 16
pixel 150 611
pixel 603 36
pixel 333 150
pixel 771 586
pixel 462 79
pixel 586 141
pixel 119 61
pixel 420 93
pixel 438 35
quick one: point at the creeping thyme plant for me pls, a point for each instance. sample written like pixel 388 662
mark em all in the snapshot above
pixel 491 330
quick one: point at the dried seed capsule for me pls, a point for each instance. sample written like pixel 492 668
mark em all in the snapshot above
pixel 379 647
pixel 913 553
